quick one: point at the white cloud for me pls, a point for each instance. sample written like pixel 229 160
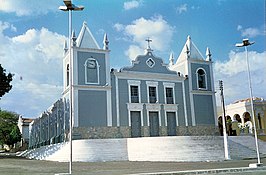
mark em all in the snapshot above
pixel 6 25
pixel 35 59
pixel 233 72
pixel 195 7
pixel 155 28
pixel 239 27
pixel 131 4
pixel 100 32
pixel 29 7
pixel 119 27
pixel 26 38
pixel 249 32
pixel 237 63
pixel 133 51
pixel 182 8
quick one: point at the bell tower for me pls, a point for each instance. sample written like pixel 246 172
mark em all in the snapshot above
pixel 200 83
pixel 91 80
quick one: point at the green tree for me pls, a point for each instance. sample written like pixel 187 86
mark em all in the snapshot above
pixel 9 131
pixel 5 80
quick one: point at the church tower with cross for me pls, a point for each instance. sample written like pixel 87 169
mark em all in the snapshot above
pixel 148 98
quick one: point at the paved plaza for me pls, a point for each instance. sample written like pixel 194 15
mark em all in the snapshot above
pixel 13 165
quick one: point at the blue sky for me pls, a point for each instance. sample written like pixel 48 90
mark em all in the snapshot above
pixel 32 36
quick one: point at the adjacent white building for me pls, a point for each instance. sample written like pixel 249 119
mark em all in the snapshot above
pixel 241 112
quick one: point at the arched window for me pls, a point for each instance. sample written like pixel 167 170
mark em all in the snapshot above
pixel 67 75
pixel 201 79
pixel 91 71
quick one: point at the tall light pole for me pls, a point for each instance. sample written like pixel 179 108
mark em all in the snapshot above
pixel 226 150
pixel 246 43
pixel 70 7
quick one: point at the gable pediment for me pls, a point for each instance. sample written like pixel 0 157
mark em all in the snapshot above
pixel 148 63
pixel 86 39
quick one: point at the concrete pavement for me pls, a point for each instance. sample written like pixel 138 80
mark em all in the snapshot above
pixel 12 165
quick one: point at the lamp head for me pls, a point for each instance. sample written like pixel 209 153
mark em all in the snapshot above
pixel 63 8
pixel 245 42
pixel 69 6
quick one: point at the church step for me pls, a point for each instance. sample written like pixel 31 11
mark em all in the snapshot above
pixel 244 147
pixel 177 148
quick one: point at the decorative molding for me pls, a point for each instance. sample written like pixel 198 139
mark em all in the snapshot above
pixel 96 66
pixel 135 106
pixel 149 76
pixel 170 107
pixel 150 62
pixel 153 106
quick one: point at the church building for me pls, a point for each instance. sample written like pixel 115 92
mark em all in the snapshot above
pixel 145 99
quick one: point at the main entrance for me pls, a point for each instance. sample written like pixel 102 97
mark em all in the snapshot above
pixel 154 123
pixel 171 123
pixel 135 123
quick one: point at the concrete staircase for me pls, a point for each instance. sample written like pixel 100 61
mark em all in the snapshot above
pixel 183 148
pixel 243 147
pixel 43 152
pixel 96 150
pixel 177 149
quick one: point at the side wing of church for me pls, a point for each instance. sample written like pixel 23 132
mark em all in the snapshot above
pixel 146 98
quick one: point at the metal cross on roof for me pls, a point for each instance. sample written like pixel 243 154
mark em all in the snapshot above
pixel 148 40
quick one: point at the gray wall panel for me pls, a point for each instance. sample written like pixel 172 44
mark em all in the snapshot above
pixel 113 96
pixel 180 101
pixel 123 100
pixel 203 109
pixel 189 116
pixel 92 108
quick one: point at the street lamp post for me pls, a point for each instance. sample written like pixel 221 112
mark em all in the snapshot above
pixel 226 150
pixel 246 43
pixel 70 7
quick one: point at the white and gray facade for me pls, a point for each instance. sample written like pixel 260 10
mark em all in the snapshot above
pixel 147 98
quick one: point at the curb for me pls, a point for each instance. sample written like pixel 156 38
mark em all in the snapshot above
pixel 207 171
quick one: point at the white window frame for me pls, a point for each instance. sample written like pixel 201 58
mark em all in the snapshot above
pixel 152 84
pixel 133 83
pixel 97 71
pixel 205 77
pixel 169 85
